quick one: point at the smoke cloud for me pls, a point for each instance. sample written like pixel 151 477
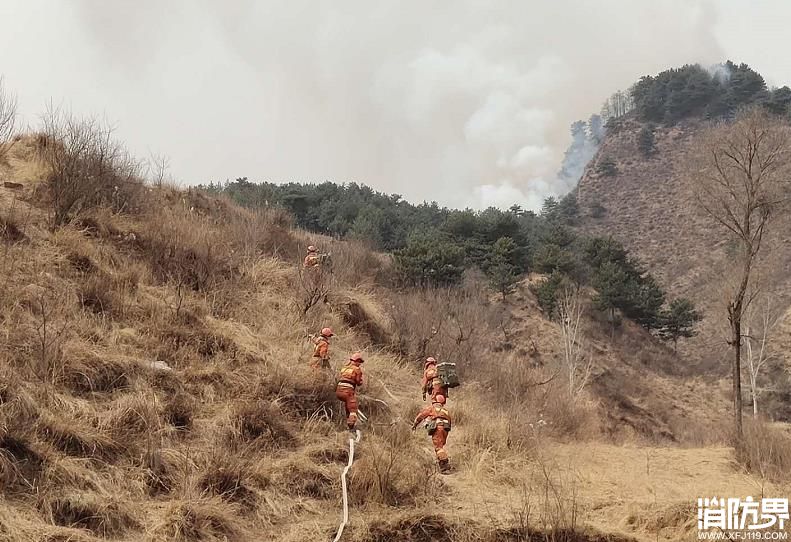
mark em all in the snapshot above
pixel 464 102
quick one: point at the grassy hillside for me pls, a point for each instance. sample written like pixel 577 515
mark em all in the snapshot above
pixel 155 386
pixel 650 206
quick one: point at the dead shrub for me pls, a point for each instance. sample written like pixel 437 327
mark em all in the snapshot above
pixel 87 167
pixel 8 104
pixel 765 450
pixel 200 520
pixel 261 423
pixel 450 324
pixel 102 515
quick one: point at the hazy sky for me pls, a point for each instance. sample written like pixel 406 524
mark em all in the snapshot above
pixel 466 102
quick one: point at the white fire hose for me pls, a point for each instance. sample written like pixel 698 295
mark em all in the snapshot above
pixel 345 518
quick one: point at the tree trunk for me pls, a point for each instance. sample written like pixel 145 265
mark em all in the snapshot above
pixel 755 404
pixel 736 340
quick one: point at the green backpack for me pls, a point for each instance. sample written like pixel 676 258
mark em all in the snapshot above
pixel 446 372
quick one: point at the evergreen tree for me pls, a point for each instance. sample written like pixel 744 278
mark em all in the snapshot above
pixel 503 268
pixel 779 101
pixel 607 167
pixel 428 259
pixel 679 320
pixel 548 292
pixel 645 140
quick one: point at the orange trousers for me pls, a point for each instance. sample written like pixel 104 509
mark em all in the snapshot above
pixel 439 438
pixel 348 397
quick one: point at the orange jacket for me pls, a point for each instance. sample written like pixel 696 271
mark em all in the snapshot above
pixel 352 374
pixel 433 412
pixel 322 350
pixel 430 378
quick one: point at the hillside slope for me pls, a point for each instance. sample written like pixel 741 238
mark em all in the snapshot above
pixel 650 206
pixel 155 387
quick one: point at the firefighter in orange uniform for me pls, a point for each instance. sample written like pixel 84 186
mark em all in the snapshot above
pixel 432 383
pixel 438 426
pixel 312 259
pixel 321 353
pixel 350 378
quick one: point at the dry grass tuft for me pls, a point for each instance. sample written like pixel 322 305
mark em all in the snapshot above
pixel 232 479
pixel 20 465
pixel 391 470
pixel 766 450
pixel 300 477
pixel 85 372
pixel 100 514
pixel 198 520
pixel 260 423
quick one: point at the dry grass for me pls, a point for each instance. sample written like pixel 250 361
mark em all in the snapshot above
pixel 766 450
pixel 154 384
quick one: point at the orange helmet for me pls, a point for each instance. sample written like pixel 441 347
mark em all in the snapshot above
pixel 429 361
pixel 357 357
pixel 327 332
pixel 311 248
pixel 439 398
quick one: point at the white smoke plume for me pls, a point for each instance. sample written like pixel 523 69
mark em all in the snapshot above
pixel 464 102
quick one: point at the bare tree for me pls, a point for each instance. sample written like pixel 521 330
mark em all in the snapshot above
pixel 576 363
pixel 158 167
pixel 741 174
pixel 760 321
pixel 87 166
pixel 7 117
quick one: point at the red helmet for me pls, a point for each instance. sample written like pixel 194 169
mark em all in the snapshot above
pixel 311 248
pixel 439 398
pixel 430 361
pixel 357 357
pixel 327 332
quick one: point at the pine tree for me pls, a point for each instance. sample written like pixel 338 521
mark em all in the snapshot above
pixel 607 167
pixel 645 140
pixel 504 269
pixel 679 320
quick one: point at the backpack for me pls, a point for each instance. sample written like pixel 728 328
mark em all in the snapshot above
pixel 446 372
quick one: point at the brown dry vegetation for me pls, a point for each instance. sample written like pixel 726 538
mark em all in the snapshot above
pixel 154 385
